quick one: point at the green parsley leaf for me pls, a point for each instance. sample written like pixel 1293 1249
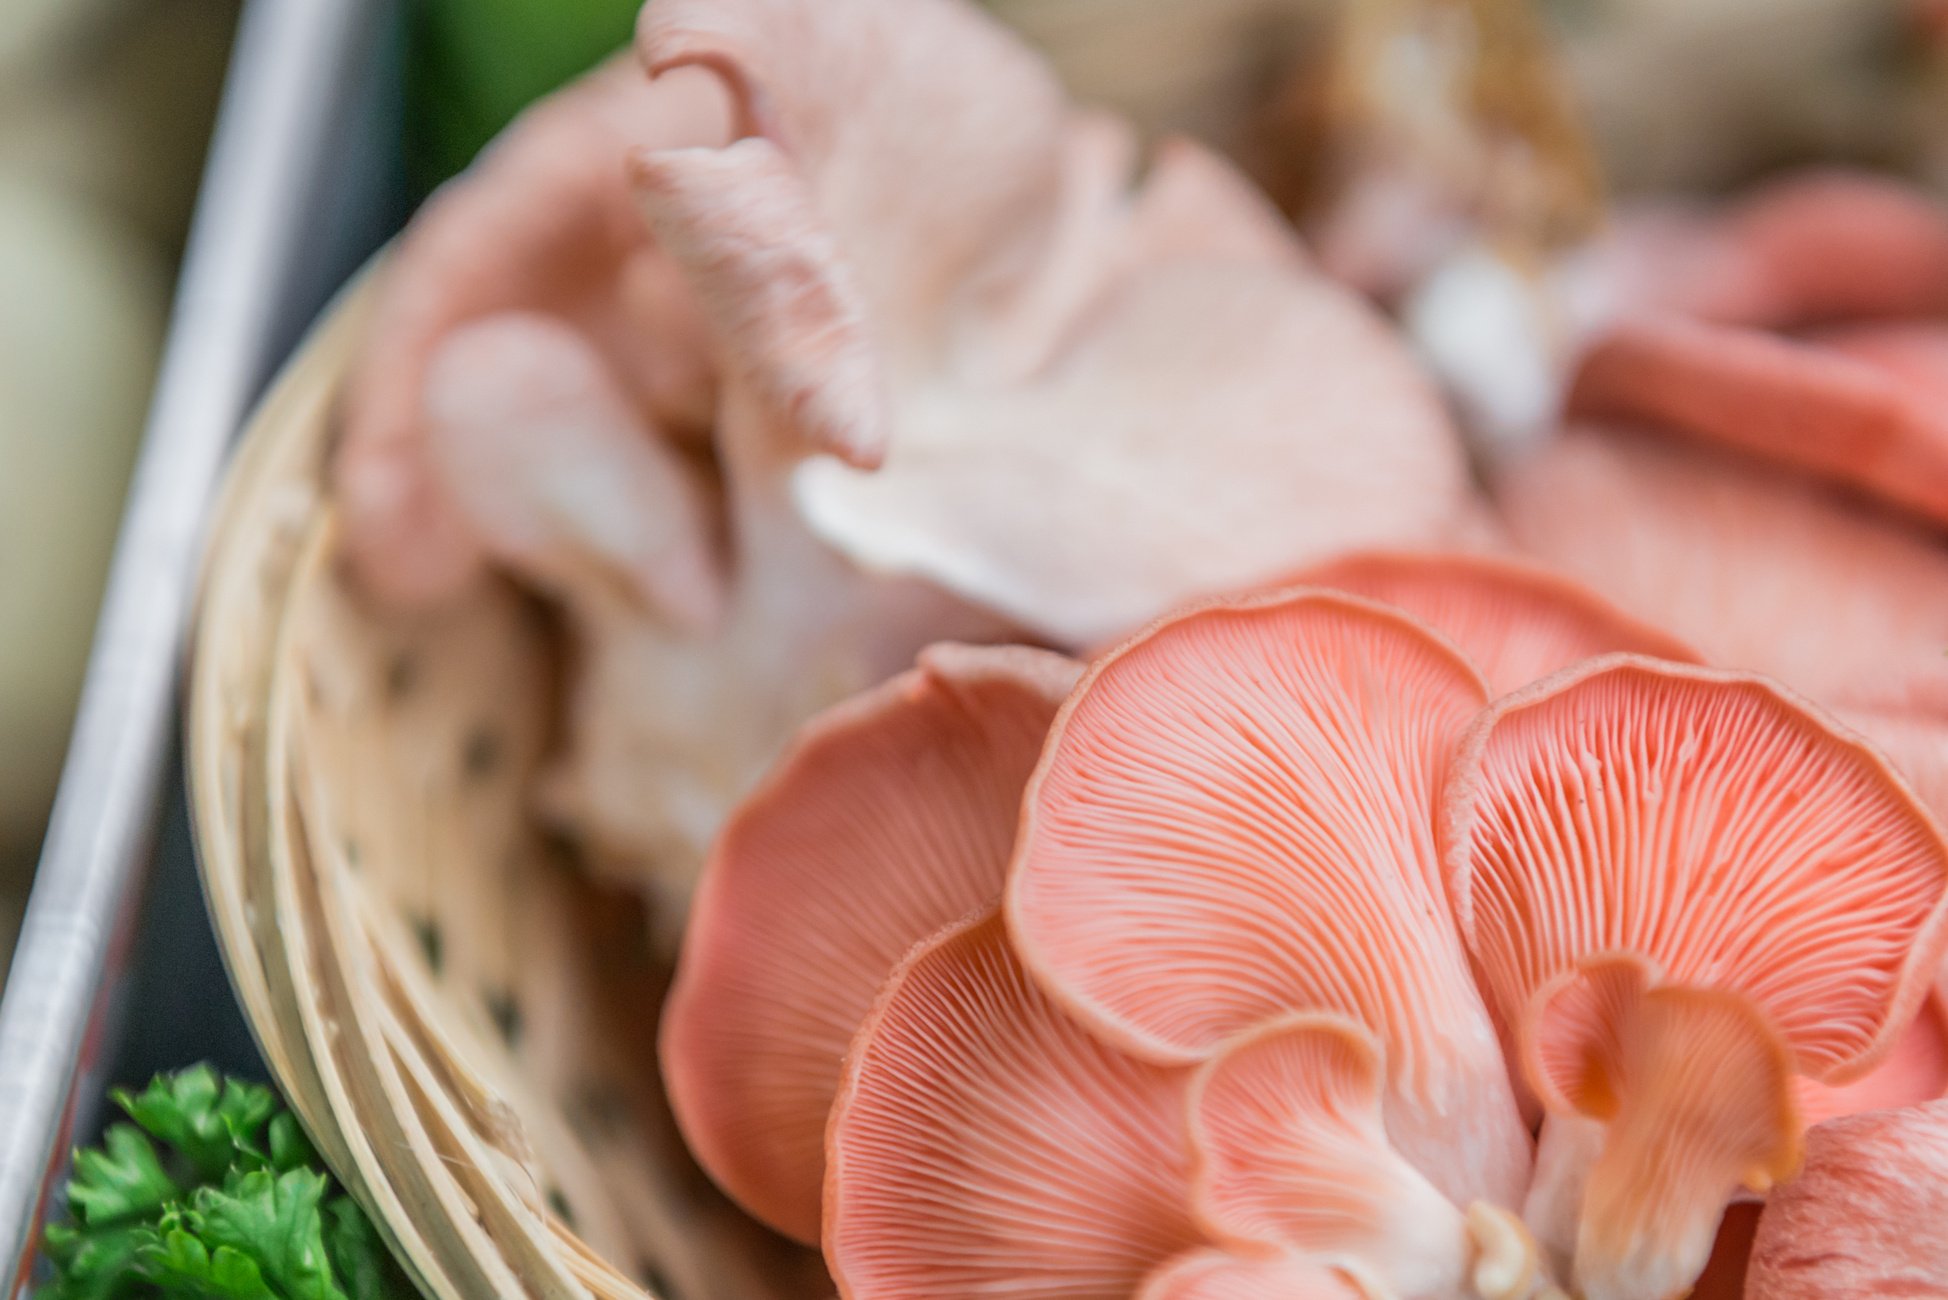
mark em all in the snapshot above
pixel 211 1122
pixel 275 1221
pixel 213 1193
pixel 123 1180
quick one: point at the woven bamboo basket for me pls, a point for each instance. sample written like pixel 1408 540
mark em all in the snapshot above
pixel 462 1018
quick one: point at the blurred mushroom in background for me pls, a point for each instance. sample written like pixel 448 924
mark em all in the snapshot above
pixel 105 106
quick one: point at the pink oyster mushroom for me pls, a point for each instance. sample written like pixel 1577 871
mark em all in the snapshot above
pixel 1753 462
pixel 895 813
pixel 1753 459
pixel 1228 1041
pixel 826 330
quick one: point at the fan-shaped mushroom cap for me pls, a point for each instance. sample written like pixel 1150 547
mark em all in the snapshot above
pixel 1516 621
pixel 1709 822
pixel 984 1144
pixel 1219 1275
pixel 1233 822
pixel 890 817
pixel 1863 408
pixel 1866 1217
pixel 1758 569
pixel 1707 830
pixel 1093 403
pixel 1292 1153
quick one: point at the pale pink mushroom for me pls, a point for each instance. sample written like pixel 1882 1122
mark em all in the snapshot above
pixel 1867 1218
pixel 834 332
pixel 1781 893
pixel 1234 821
pixel 890 816
pixel 705 628
pixel 1092 402
pixel 545 223
pixel 1518 622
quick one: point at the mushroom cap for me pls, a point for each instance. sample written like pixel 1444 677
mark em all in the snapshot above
pixel 1862 407
pixel 1760 569
pixel 1072 399
pixel 1866 1217
pixel 890 816
pixel 1232 822
pixel 983 1143
pixel 1820 246
pixel 1518 622
pixel 1712 823
pixel 1915 1070
pixel 559 476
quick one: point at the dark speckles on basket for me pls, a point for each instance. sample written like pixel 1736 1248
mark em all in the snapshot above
pixel 656 1282
pixel 480 757
pixel 599 1114
pixel 431 941
pixel 402 677
pixel 558 1203
pixel 506 1013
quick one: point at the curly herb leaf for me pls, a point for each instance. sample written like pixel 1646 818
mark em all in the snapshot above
pixel 214 1192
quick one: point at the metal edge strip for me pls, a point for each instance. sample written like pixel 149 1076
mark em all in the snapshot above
pixel 289 60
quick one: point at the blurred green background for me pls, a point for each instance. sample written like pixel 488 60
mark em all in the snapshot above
pixel 472 65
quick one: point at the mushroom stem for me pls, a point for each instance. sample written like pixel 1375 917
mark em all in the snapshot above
pixel 1703 1083
pixel 1507 1263
pixel 1564 1151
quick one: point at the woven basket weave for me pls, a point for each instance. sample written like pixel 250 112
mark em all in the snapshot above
pixel 462 1019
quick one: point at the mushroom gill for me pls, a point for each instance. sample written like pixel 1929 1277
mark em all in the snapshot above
pixel 890 816
pixel 1292 1154
pixel 984 1144
pixel 1780 886
pixel 1684 1095
pixel 1232 822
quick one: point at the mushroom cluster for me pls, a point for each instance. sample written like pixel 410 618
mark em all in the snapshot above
pixel 1515 886
pixel 1237 968
pixel 841 333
